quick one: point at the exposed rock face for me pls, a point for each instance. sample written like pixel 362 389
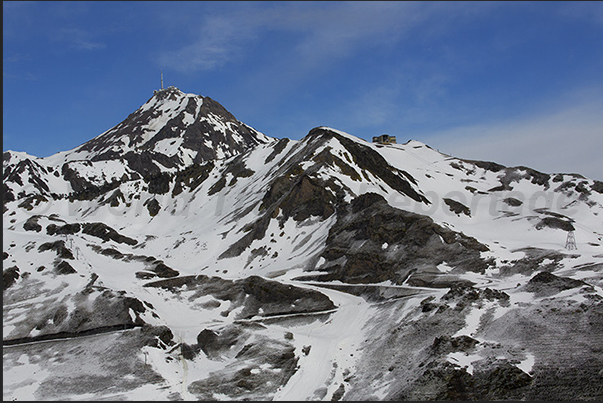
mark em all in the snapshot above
pixel 32 224
pixel 96 310
pixel 63 267
pixel 414 246
pixel 457 207
pixel 554 222
pixel 253 295
pixel 105 232
pixel 59 247
pixel 9 276
pixel 445 382
pixel 545 283
pixel 253 380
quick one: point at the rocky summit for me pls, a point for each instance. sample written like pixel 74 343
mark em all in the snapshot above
pixel 183 255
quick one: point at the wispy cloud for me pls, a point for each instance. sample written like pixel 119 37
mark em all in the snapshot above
pixel 322 30
pixel 27 76
pixel 588 11
pixel 16 57
pixel 78 39
pixel 290 46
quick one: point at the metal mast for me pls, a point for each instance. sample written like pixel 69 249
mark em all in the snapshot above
pixel 161 78
pixel 570 243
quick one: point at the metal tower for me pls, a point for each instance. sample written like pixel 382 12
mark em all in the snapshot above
pixel 570 243
pixel 161 78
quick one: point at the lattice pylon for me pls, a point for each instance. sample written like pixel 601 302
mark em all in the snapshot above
pixel 570 242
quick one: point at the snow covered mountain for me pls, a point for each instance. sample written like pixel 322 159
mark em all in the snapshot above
pixel 171 131
pixel 184 255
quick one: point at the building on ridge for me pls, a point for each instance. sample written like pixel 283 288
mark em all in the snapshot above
pixel 385 139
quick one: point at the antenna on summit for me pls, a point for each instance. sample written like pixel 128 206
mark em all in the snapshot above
pixel 161 78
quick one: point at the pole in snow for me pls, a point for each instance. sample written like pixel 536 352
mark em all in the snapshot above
pixel 162 79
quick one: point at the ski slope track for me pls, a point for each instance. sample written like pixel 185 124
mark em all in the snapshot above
pixel 183 255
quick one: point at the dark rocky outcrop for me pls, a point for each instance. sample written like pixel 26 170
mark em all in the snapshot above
pixel 63 267
pixel 216 187
pixel 207 340
pixel 444 381
pixel 258 296
pixel 157 336
pixel 464 295
pixel 554 222
pixel 457 207
pixel 545 283
pixel 158 183
pixel 59 247
pixel 192 176
pixel 94 310
pixel 278 147
pixel 249 381
pixel 106 233
pixel 9 276
pixel 512 174
pixel 115 199
pixel 32 224
pixel 162 270
pixel 536 259
pixel 275 298
pixel 83 188
pixel 511 201
pixel 153 206
pixel 446 344
pixel 67 229
pixel 29 202
pixel 295 194
pixel 373 242
pixel 238 169
pixel 154 267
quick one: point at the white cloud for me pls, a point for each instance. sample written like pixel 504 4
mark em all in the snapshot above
pixel 567 139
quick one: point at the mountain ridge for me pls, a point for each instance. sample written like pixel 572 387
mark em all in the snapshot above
pixel 322 268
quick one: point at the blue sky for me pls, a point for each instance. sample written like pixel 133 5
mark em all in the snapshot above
pixel 519 83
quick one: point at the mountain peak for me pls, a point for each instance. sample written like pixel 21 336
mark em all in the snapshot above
pixel 168 92
pixel 171 130
pixel 165 96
